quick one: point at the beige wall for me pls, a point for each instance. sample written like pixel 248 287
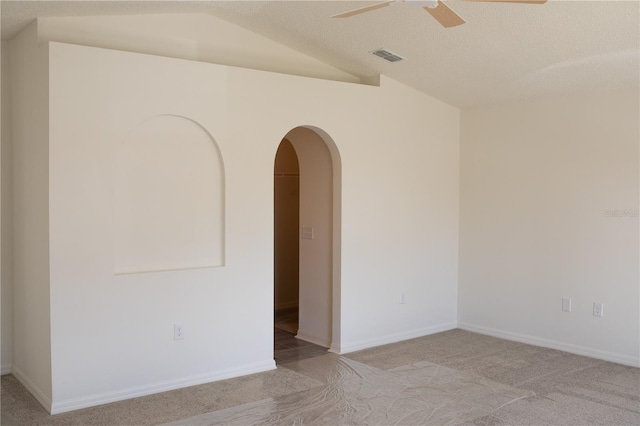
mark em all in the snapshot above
pixel 538 179
pixel 419 193
pixel 316 251
pixel 30 160
pixel 286 189
pixel 6 229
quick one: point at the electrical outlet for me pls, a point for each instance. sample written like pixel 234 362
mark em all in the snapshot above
pixel 566 305
pixel 178 331
pixel 598 309
pixel 403 300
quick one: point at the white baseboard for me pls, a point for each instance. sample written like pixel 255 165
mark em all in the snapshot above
pixel 312 339
pixel 31 387
pixel 390 338
pixel 552 344
pixel 105 398
pixel 5 369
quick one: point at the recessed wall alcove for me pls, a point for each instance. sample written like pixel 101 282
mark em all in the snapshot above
pixel 168 198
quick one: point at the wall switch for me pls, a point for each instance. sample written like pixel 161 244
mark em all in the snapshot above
pixel 178 331
pixel 307 232
pixel 403 300
pixel 598 309
pixel 566 305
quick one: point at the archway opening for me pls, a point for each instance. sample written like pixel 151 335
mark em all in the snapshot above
pixel 286 202
pixel 317 239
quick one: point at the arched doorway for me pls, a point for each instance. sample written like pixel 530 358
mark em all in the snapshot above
pixel 286 244
pixel 317 233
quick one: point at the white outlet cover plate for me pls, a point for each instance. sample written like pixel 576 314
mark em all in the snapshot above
pixel 178 332
pixel 598 310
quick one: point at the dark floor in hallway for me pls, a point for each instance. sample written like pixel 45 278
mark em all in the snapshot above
pixel 286 348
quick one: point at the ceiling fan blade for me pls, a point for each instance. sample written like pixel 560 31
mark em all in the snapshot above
pixel 510 1
pixel 363 10
pixel 443 14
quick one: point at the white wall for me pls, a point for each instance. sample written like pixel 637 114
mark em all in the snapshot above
pixel 30 143
pixel 316 255
pixel 399 221
pixel 119 342
pixel 399 154
pixel 6 262
pixel 199 37
pixel 537 179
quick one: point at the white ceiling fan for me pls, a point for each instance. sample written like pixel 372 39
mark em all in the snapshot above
pixel 440 11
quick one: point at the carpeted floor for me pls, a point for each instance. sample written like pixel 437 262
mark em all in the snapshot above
pixel 455 377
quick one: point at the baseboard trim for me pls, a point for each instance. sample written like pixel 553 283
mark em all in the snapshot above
pixel 311 339
pixel 390 338
pixel 5 369
pixel 105 398
pixel 552 344
pixel 32 388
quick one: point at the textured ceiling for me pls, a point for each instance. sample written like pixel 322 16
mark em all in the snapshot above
pixel 503 52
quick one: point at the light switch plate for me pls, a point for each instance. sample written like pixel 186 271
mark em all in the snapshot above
pixel 566 305
pixel 598 309
pixel 307 232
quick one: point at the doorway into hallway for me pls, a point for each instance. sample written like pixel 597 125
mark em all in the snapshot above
pixel 306 240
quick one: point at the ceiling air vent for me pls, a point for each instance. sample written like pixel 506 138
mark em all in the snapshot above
pixel 387 56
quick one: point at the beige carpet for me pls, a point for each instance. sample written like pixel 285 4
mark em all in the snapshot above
pixel 352 393
pixel 569 389
pixel 454 377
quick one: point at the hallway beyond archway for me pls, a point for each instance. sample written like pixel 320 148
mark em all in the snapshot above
pixel 306 239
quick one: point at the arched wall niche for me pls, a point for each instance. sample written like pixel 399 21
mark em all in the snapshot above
pixel 168 198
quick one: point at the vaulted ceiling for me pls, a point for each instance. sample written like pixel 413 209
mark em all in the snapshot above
pixel 503 52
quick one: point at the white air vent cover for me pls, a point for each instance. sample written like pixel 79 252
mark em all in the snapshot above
pixel 387 56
